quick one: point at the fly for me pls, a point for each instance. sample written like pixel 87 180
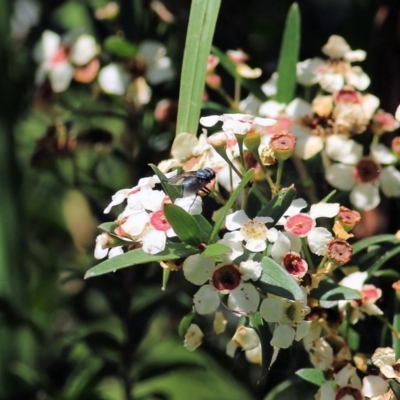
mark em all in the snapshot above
pixel 194 182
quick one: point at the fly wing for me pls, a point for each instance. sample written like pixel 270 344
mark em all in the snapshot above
pixel 181 178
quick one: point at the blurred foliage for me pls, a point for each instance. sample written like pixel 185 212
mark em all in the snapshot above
pixel 63 156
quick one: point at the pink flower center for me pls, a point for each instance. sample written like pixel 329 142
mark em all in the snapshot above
pixel 158 221
pixel 294 264
pixel 61 55
pixel 347 96
pixel 282 124
pixel 300 224
pixel 226 278
pixel 370 293
pixel 348 217
pixel 366 170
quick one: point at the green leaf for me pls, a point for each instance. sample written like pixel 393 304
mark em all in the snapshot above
pixel 202 20
pixel 120 47
pixel 255 201
pixel 224 211
pixel 264 333
pixel 205 227
pixel 365 243
pixel 108 227
pixel 173 251
pixel 288 57
pixel 329 290
pixel 383 260
pixel 278 205
pixel 278 281
pixel 230 66
pixel 185 323
pixel 172 190
pixel 216 250
pixel 184 224
pixel 312 375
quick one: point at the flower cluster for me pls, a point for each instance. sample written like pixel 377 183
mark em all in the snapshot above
pixel 269 256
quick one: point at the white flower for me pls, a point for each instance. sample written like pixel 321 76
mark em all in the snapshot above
pixel 338 48
pixel 236 123
pixel 304 225
pixel 369 295
pixel 289 318
pixel 56 59
pixel 269 87
pixel 346 378
pixel 113 79
pixel 252 231
pixel 362 176
pixel 224 278
pixel 307 74
pixel 158 65
pixel 337 71
pixel 101 249
pixel 135 198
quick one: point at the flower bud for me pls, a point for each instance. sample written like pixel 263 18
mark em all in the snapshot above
pixel 396 146
pixel 283 145
pixel 218 141
pixel 267 156
pixel 252 140
pixel 339 251
pixel 348 218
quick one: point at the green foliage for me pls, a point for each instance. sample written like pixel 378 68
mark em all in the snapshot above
pixel 203 17
pixel 289 56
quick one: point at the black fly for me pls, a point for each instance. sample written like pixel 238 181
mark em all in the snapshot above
pixel 194 182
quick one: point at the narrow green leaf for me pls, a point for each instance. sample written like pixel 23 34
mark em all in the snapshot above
pixel 374 240
pixel 185 323
pixel 278 205
pixel 184 224
pixel 172 191
pixel 216 250
pixel 329 290
pixel 173 251
pixel 108 227
pixel 202 20
pixel 218 223
pixel 289 56
pixel 383 260
pixel 312 375
pixel 230 66
pixel 278 281
pixel 119 46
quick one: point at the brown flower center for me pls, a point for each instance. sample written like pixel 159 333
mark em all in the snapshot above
pixel 366 170
pixel 226 278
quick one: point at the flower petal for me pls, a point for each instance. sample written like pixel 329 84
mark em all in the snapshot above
pixel 280 248
pixel 317 240
pixel 236 220
pixel 382 154
pixel 373 386
pixel 113 79
pixel 272 309
pixel 340 176
pixel 244 299
pixel 256 245
pixel 328 210
pixel 283 336
pixel 154 241
pixel 60 76
pixel 198 269
pixel 206 300
pixel 390 181
pixel 365 196
pixel 250 270
pixel 340 148
pixel 193 338
pixel 210 120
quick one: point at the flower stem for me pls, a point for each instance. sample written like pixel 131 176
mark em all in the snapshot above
pixel 279 174
pixel 307 254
